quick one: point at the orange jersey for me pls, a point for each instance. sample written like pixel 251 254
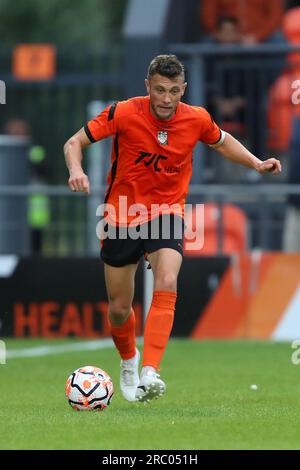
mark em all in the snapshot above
pixel 151 158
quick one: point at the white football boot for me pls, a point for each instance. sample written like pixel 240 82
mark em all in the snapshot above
pixel 129 377
pixel 150 386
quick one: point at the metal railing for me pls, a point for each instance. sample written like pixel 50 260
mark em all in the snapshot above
pixel 194 56
pixel 55 109
pixel 215 72
pixel 72 225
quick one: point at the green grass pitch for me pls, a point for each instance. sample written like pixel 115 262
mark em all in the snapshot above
pixel 208 404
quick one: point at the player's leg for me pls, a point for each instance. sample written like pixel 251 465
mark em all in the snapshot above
pixel 165 263
pixel 120 290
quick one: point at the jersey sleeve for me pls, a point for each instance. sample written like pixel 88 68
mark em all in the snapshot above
pixel 211 133
pixel 103 125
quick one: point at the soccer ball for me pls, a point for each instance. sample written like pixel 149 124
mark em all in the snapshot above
pixel 89 388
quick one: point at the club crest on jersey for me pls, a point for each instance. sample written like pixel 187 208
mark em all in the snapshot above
pixel 162 137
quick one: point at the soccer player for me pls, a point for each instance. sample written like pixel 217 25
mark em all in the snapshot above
pixel 154 136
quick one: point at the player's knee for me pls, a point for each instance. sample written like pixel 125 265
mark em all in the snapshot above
pixel 118 312
pixel 166 282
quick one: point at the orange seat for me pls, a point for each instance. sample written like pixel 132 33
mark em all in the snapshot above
pixel 203 241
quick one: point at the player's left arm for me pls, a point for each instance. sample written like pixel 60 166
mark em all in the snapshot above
pixel 233 150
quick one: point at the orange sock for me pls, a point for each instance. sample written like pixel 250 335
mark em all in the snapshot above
pixel 158 327
pixel 124 337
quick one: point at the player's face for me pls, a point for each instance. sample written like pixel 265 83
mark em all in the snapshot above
pixel 165 93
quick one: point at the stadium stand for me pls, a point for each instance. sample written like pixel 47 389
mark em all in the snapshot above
pixel 229 222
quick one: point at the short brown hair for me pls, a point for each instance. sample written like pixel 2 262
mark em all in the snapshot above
pixel 166 65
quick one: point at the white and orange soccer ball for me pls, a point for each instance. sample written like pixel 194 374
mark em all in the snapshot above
pixel 89 388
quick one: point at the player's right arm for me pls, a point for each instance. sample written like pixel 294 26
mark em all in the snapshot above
pixel 78 180
pixel 102 126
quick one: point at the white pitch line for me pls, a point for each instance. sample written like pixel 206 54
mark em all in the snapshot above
pixel 60 349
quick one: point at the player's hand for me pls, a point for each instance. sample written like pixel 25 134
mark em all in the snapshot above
pixel 272 165
pixel 79 182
